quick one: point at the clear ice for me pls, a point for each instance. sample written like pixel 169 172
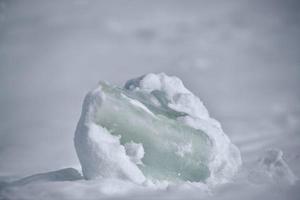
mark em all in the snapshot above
pixel 153 128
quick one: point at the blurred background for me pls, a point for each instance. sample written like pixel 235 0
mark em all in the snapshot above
pixel 242 58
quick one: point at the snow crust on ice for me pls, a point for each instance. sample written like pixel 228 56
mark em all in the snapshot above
pixel 102 155
pixel 135 151
pixel 180 98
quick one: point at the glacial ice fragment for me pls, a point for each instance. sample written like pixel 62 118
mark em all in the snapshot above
pixel 153 128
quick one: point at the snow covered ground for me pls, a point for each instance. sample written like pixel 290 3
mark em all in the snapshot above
pixel 240 57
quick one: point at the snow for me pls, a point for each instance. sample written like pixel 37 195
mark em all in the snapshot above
pixel 102 156
pixel 272 168
pixel 135 151
pixel 180 98
pixel 68 174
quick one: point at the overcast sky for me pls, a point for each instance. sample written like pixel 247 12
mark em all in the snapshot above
pixel 241 57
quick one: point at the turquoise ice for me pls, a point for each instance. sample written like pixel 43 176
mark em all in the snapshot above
pixel 152 129
pixel 173 150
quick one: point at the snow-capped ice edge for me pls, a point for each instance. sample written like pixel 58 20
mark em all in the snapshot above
pixel 102 156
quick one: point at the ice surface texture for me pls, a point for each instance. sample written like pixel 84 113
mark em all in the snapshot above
pixel 153 128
